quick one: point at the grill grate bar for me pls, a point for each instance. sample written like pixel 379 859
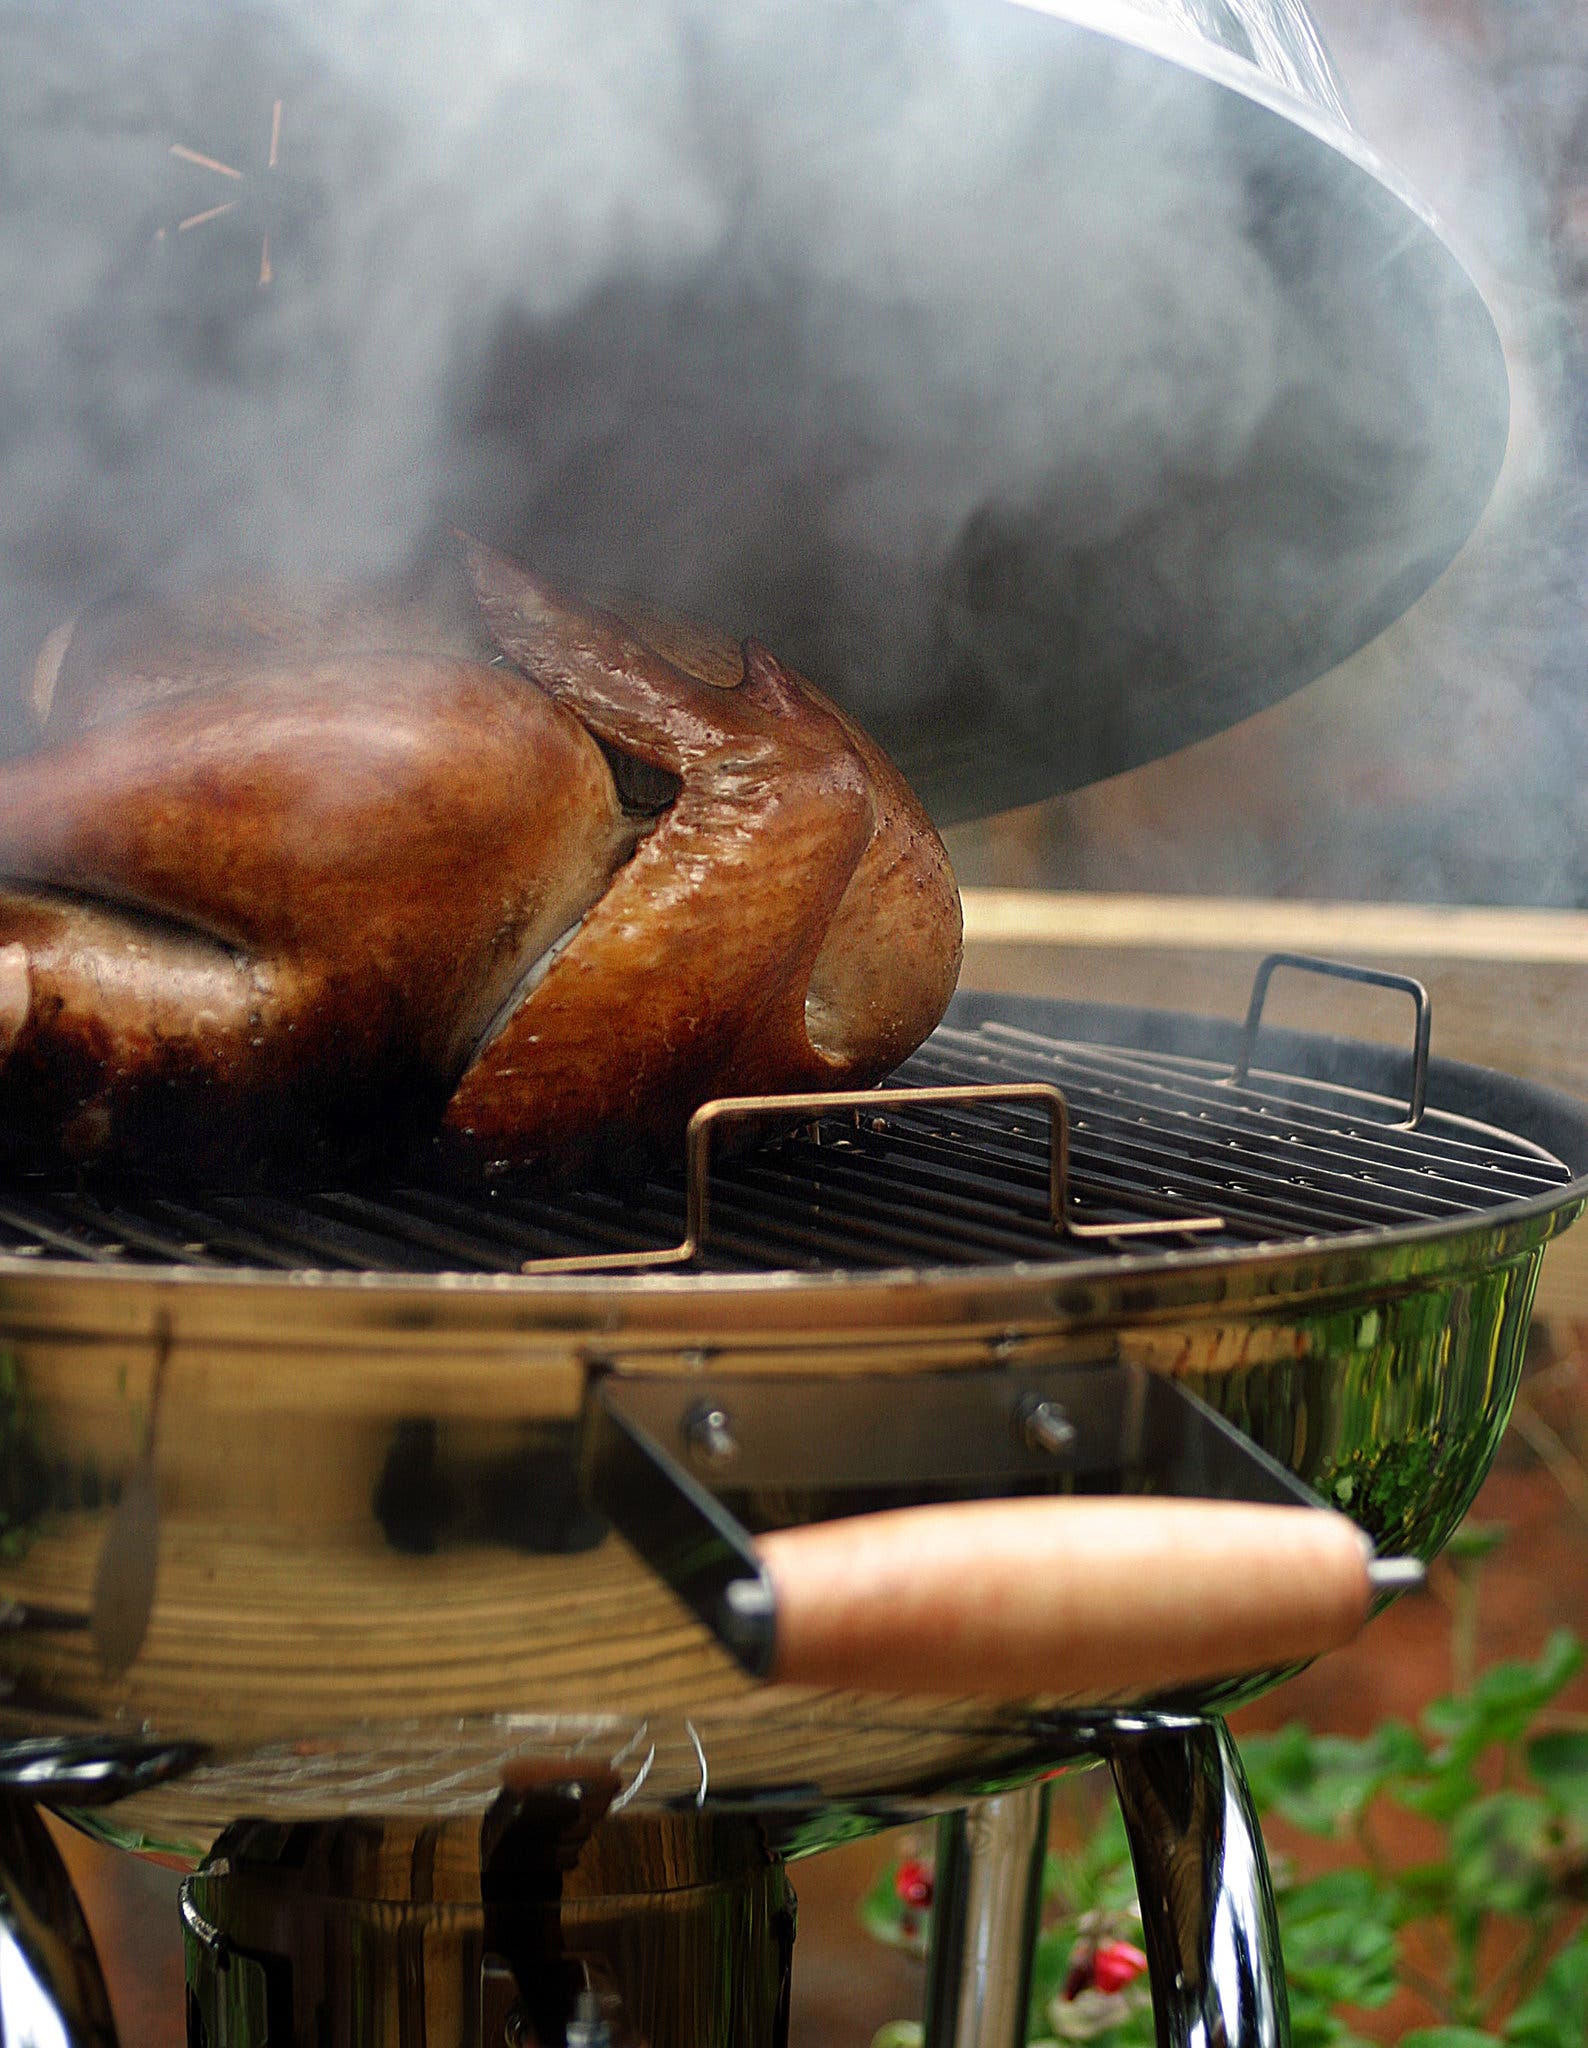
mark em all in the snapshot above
pixel 1153 1134
pixel 1278 1192
pixel 1004 1212
pixel 595 1220
pixel 1201 1081
pixel 848 1217
pixel 119 1223
pixel 33 1232
pixel 1157 1182
pixel 228 1234
pixel 1268 1185
pixel 399 1220
pixel 328 1241
pixel 1275 1115
pixel 1218 1118
pixel 517 1228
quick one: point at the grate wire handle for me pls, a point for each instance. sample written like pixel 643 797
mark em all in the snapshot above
pixel 1342 970
pixel 728 1110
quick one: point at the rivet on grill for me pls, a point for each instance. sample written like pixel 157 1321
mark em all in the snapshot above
pixel 1042 1425
pixel 708 1431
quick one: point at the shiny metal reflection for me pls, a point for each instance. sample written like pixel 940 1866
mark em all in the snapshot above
pixel 52 1994
pixel 1207 1901
pixel 986 1911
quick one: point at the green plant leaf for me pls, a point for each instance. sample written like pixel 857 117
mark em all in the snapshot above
pixel 1559 1762
pixel 1098 1877
pixel 1320 2028
pixel 1401 1751
pixel 1556 2016
pixel 1447 1790
pixel 1498 1848
pixel 1422 1891
pixel 1503 1702
pixel 1475 1540
pixel 1323 1782
pixel 1451 2037
pixel 1339 1941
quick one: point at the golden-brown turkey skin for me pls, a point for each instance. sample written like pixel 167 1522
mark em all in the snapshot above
pixel 284 909
pixel 891 956
pixel 791 923
pixel 271 907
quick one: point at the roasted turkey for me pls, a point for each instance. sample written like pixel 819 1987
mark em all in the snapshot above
pixel 291 886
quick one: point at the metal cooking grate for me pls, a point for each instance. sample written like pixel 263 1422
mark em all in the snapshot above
pixel 1153 1134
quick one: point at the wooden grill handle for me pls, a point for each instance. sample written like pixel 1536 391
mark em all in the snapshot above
pixel 1090 1599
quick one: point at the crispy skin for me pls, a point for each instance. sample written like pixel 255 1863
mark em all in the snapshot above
pixel 791 923
pixel 278 900
pixel 891 957
pixel 281 909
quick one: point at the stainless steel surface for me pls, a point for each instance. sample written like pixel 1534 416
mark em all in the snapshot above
pixel 52 1994
pixel 1044 1425
pixel 380 1586
pixel 673 1933
pixel 1391 1575
pixel 1278 36
pixel 1207 1901
pixel 985 1915
pixel 1055 383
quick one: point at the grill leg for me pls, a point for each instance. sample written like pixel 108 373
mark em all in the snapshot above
pixel 51 1989
pixel 1207 1903
pixel 984 1921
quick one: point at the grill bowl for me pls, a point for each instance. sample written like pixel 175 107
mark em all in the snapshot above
pixel 376 1580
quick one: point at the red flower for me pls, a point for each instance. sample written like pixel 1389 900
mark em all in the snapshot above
pixel 1116 1964
pixel 912 1883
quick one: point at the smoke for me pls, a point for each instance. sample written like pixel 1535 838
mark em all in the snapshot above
pixel 1493 125
pixel 998 376
pixel 1449 760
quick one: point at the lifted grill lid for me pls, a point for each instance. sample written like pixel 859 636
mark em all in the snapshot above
pixel 1056 384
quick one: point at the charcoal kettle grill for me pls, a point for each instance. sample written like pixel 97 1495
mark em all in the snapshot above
pixel 425 1569
pixel 418 1598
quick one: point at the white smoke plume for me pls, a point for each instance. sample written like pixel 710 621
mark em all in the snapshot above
pixel 1448 761
pixel 937 345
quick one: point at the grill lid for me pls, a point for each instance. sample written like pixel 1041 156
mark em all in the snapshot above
pixel 1055 384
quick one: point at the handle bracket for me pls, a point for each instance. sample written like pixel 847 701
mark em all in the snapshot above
pixel 689 1497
